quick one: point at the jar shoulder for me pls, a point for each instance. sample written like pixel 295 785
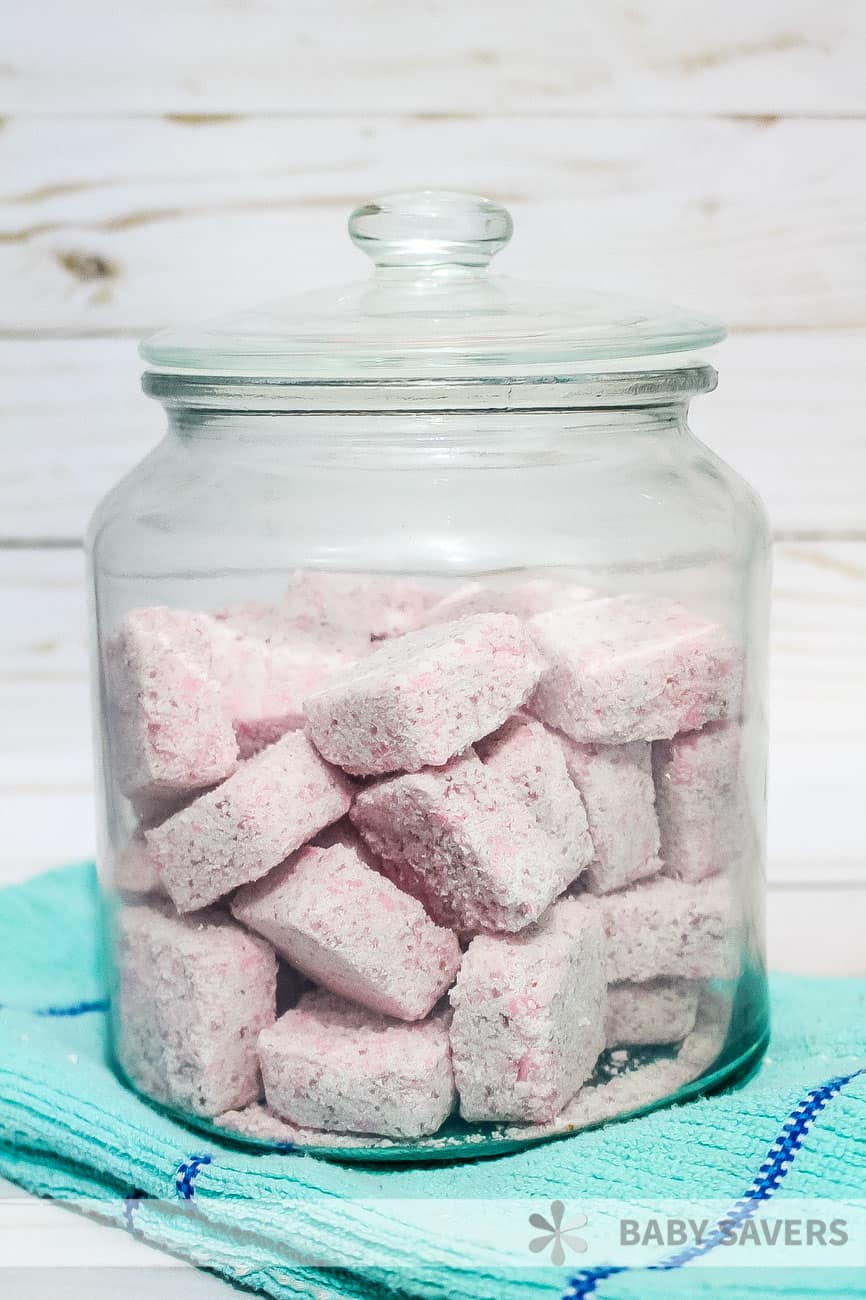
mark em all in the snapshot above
pixel 718 478
pixel 442 491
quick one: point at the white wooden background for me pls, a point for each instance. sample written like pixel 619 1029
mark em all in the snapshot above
pixel 181 159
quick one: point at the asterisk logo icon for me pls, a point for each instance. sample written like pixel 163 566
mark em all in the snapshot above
pixel 555 1235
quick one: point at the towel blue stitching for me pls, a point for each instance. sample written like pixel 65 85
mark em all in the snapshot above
pixel 187 1172
pixel 776 1165
pixel 75 1009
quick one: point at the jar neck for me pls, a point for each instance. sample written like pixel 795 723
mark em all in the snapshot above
pixel 189 422
pixel 465 437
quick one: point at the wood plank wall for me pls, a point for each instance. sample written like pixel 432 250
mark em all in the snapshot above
pixel 169 163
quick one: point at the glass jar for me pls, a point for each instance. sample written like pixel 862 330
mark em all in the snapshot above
pixel 430 654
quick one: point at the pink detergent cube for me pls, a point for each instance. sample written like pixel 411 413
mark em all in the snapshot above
pixel 344 834
pixel 523 599
pixel 529 1012
pixel 330 1064
pixel 632 668
pixel 353 931
pixel 458 840
pixel 193 994
pixel 422 698
pixel 264 684
pixel 651 1014
pixel 375 605
pixel 530 759
pixel 273 804
pixel 191 693
pixel 699 796
pixel 617 787
pixel 258 1123
pixel 663 928
pixel 169 732
pixel 152 809
pixel 134 869
pixel 284 624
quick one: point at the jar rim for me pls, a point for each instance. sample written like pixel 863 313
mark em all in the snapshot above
pixel 534 392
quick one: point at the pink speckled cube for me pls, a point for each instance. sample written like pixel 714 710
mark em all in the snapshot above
pixel 152 809
pixel 633 1089
pixel 169 733
pixel 192 995
pixel 523 599
pixel 272 805
pixel 332 1065
pixel 343 833
pixel 134 869
pixel 376 605
pixel 178 679
pixel 422 698
pixel 663 928
pixel 458 840
pixel 264 684
pixel 699 796
pixel 353 931
pixel 283 623
pixel 651 1014
pixel 618 793
pixel 258 1123
pixel 632 668
pixel 529 1012
pixel 530 759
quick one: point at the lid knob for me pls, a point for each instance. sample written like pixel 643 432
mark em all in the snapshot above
pixel 431 228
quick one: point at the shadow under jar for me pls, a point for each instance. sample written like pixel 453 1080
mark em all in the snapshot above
pixel 429 660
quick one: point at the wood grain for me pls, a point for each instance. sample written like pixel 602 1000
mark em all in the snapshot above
pixel 642 56
pixel 113 224
pixel 788 415
pixel 205 155
pixel 812 931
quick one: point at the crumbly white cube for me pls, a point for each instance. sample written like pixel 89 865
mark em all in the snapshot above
pixel 616 784
pixel 332 1065
pixel 458 840
pixel 664 928
pixel 651 1014
pixel 530 759
pixel 134 868
pixel 700 801
pixel 168 726
pixel 351 930
pixel 422 698
pixel 192 996
pixel 529 1014
pixel 374 605
pixel 523 599
pixel 236 833
pixel 264 683
pixel 632 668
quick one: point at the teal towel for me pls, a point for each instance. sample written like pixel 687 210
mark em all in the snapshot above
pixel 292 1225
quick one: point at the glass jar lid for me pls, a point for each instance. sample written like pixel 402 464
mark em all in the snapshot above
pixel 432 318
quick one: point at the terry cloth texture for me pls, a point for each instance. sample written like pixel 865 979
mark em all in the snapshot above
pixel 70 1130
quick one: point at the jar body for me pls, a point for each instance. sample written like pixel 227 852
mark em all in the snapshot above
pixel 520 851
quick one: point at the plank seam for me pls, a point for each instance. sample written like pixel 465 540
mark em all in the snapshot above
pixel 218 116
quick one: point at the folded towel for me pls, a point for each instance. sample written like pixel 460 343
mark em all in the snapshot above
pixel 292 1225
